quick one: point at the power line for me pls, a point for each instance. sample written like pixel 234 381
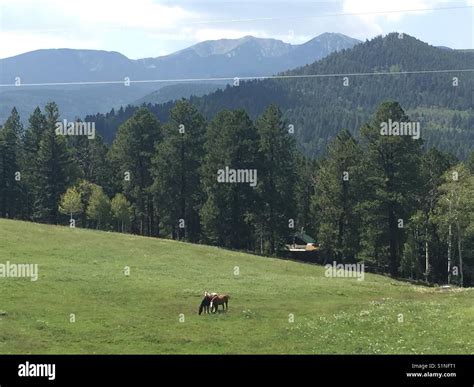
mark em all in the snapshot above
pixel 222 79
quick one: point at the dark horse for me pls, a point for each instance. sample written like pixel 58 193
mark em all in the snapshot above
pixel 205 304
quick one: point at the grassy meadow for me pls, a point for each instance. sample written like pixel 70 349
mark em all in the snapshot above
pixel 276 306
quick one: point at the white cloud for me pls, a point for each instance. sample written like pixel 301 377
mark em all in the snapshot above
pixel 140 28
pixel 372 14
pixel 59 23
pixel 145 14
pixel 387 8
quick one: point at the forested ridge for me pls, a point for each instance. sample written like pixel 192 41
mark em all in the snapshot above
pixel 320 107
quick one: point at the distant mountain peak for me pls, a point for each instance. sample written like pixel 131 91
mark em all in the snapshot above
pixel 263 47
pixel 226 46
pixel 245 56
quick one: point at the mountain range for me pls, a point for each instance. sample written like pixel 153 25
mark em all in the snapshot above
pixel 436 91
pixel 225 58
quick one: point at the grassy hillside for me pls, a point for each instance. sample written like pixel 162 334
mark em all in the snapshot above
pixel 82 272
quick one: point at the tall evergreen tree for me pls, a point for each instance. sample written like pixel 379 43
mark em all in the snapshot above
pixel 337 193
pixel 176 170
pixel 53 169
pixel 276 178
pixel 11 186
pixel 34 132
pixel 36 127
pixel 131 154
pixel 231 142
pixel 392 166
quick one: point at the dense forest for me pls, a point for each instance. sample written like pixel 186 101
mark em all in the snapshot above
pixel 319 107
pixel 385 200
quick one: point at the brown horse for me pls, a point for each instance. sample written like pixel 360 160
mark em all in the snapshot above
pixel 220 299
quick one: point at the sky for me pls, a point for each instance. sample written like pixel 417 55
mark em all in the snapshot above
pixel 151 28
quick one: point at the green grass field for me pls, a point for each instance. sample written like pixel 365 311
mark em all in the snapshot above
pixel 82 272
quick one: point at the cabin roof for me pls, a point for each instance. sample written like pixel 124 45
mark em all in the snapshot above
pixel 304 237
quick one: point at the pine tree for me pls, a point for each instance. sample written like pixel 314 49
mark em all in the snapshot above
pixel 231 141
pixel 176 170
pixel 337 193
pixel 34 132
pixel 11 187
pixel 277 178
pixel 53 169
pixel 131 154
pixel 36 127
pixel 392 167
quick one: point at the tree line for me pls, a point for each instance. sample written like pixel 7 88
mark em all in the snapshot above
pixel 383 200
